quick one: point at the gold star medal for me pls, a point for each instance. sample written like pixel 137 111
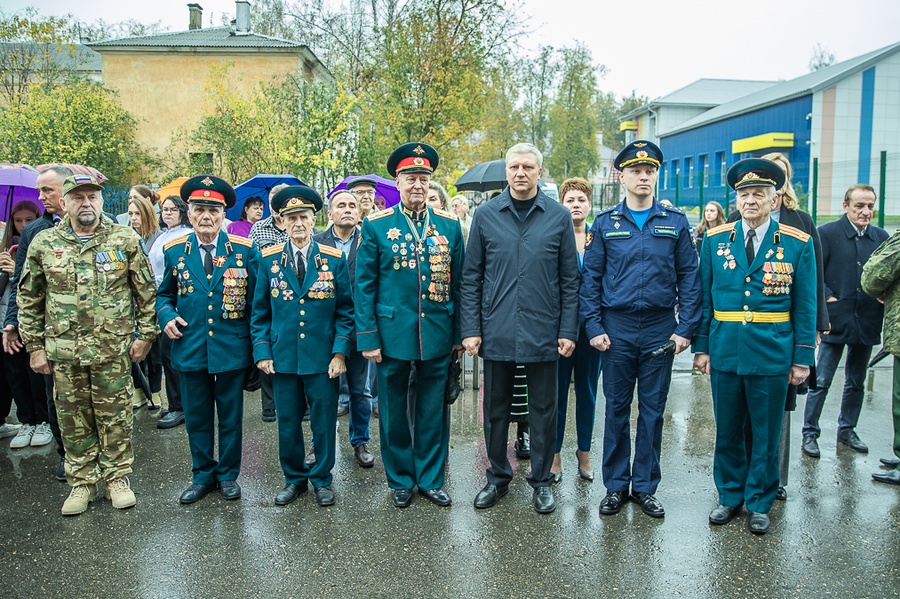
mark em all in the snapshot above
pixel 393 234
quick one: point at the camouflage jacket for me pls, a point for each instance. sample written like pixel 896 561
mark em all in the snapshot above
pixel 81 302
pixel 881 277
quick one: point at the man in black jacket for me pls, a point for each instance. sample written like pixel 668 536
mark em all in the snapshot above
pixel 855 317
pixel 519 305
pixel 49 183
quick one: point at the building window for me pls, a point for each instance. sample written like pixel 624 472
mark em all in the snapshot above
pixel 664 175
pixel 722 169
pixel 704 169
pixel 689 171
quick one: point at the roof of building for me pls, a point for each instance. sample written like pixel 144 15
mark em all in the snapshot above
pixel 66 56
pixel 210 37
pixel 703 92
pixel 787 90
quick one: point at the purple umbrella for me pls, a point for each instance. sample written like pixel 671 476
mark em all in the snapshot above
pixel 18 183
pixel 385 188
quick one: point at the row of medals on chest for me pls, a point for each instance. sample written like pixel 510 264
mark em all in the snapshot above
pixel 406 250
pixel 234 286
pixel 323 288
pixel 777 276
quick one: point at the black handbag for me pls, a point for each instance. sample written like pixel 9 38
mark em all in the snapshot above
pixel 454 374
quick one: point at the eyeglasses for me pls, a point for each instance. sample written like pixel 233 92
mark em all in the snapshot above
pixel 362 193
pixel 169 210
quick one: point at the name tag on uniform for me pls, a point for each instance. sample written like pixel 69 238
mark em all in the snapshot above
pixel 665 231
pixel 616 234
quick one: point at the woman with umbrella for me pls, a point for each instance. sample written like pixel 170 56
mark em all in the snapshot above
pixel 19 381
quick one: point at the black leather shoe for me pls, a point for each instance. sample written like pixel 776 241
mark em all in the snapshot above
pixel 781 495
pixel 290 492
pixel 613 502
pixel 310 459
pixel 196 492
pixel 170 420
pixel 343 411
pixel 229 489
pixel 436 496
pixel 723 514
pixel 364 456
pixel 523 447
pixel 890 462
pixel 268 416
pixel 543 500
pixel 61 470
pixel 490 495
pixel 758 523
pixel 650 505
pixel 810 446
pixel 402 497
pixel 851 440
pixel 891 477
pixel 324 496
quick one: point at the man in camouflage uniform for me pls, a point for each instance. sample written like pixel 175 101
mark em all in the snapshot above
pixel 85 284
pixel 880 277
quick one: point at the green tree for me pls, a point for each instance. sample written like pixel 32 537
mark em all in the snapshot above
pixel 76 122
pixel 573 121
pixel 538 81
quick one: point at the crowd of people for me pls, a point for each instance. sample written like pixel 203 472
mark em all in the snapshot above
pixel 370 316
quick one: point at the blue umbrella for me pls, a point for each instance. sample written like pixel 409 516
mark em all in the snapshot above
pixel 385 188
pixel 258 186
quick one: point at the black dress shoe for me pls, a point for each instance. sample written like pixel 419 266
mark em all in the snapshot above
pixel 402 497
pixel 781 495
pixel 196 492
pixel 170 420
pixel 650 505
pixel 436 496
pixel 490 495
pixel 810 446
pixel 310 459
pixel 723 514
pixel 890 462
pixel 324 496
pixel 364 456
pixel 229 489
pixel 543 500
pixel 290 492
pixel 522 447
pixel 758 523
pixel 268 416
pixel 851 440
pixel 613 502
pixel 891 477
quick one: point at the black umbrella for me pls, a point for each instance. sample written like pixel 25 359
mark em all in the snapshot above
pixel 483 177
pixel 881 355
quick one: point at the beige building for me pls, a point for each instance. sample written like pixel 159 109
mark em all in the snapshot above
pixel 160 78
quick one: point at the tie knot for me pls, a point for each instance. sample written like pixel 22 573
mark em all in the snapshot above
pixel 751 233
pixel 207 246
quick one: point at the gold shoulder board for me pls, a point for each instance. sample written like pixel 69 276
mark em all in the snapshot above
pixel 794 232
pixel 273 249
pixel 175 242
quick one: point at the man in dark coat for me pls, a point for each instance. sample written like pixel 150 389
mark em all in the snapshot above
pixel 855 317
pixel 519 305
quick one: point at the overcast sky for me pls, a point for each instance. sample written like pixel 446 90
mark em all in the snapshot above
pixel 652 46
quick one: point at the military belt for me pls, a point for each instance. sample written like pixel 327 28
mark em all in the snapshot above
pixel 750 316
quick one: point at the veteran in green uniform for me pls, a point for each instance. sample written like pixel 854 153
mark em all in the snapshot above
pixel 84 286
pixel 757 334
pixel 408 268
pixel 302 328
pixel 203 304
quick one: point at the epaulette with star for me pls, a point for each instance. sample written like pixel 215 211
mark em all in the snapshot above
pixel 794 232
pixel 330 251
pixel 674 209
pixel 273 249
pixel 176 241
pixel 720 229
pixel 444 213
pixel 381 214
pixel 240 240
pixel 607 210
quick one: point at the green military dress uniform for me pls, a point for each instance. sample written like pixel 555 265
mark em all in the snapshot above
pixel 301 325
pixel 408 270
pixel 880 277
pixel 82 302
pixel 758 320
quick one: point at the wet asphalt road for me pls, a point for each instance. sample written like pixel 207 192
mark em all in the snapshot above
pixel 838 534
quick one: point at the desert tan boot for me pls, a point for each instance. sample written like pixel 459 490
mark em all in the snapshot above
pixel 119 491
pixel 78 499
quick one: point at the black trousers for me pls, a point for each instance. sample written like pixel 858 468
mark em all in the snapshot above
pixel 173 378
pixel 499 380
pixel 26 388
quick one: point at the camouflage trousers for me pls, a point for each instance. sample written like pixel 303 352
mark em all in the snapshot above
pixel 96 418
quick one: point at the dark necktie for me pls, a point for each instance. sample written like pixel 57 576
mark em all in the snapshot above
pixel 301 266
pixel 751 253
pixel 207 259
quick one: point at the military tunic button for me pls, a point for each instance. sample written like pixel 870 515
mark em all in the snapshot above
pixel 423 277
pixel 209 307
pixel 302 335
pixel 210 333
pixel 302 324
pixel 747 279
pixel 302 301
pixel 210 294
pixel 302 312
pixel 747 292
pixel 210 321
pixel 746 307
pixel 423 315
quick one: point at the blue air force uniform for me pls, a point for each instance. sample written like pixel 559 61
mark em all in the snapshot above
pixel 758 320
pixel 301 326
pixel 215 348
pixel 633 278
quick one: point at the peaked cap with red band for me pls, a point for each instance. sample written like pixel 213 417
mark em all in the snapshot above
pixel 208 190
pixel 413 157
